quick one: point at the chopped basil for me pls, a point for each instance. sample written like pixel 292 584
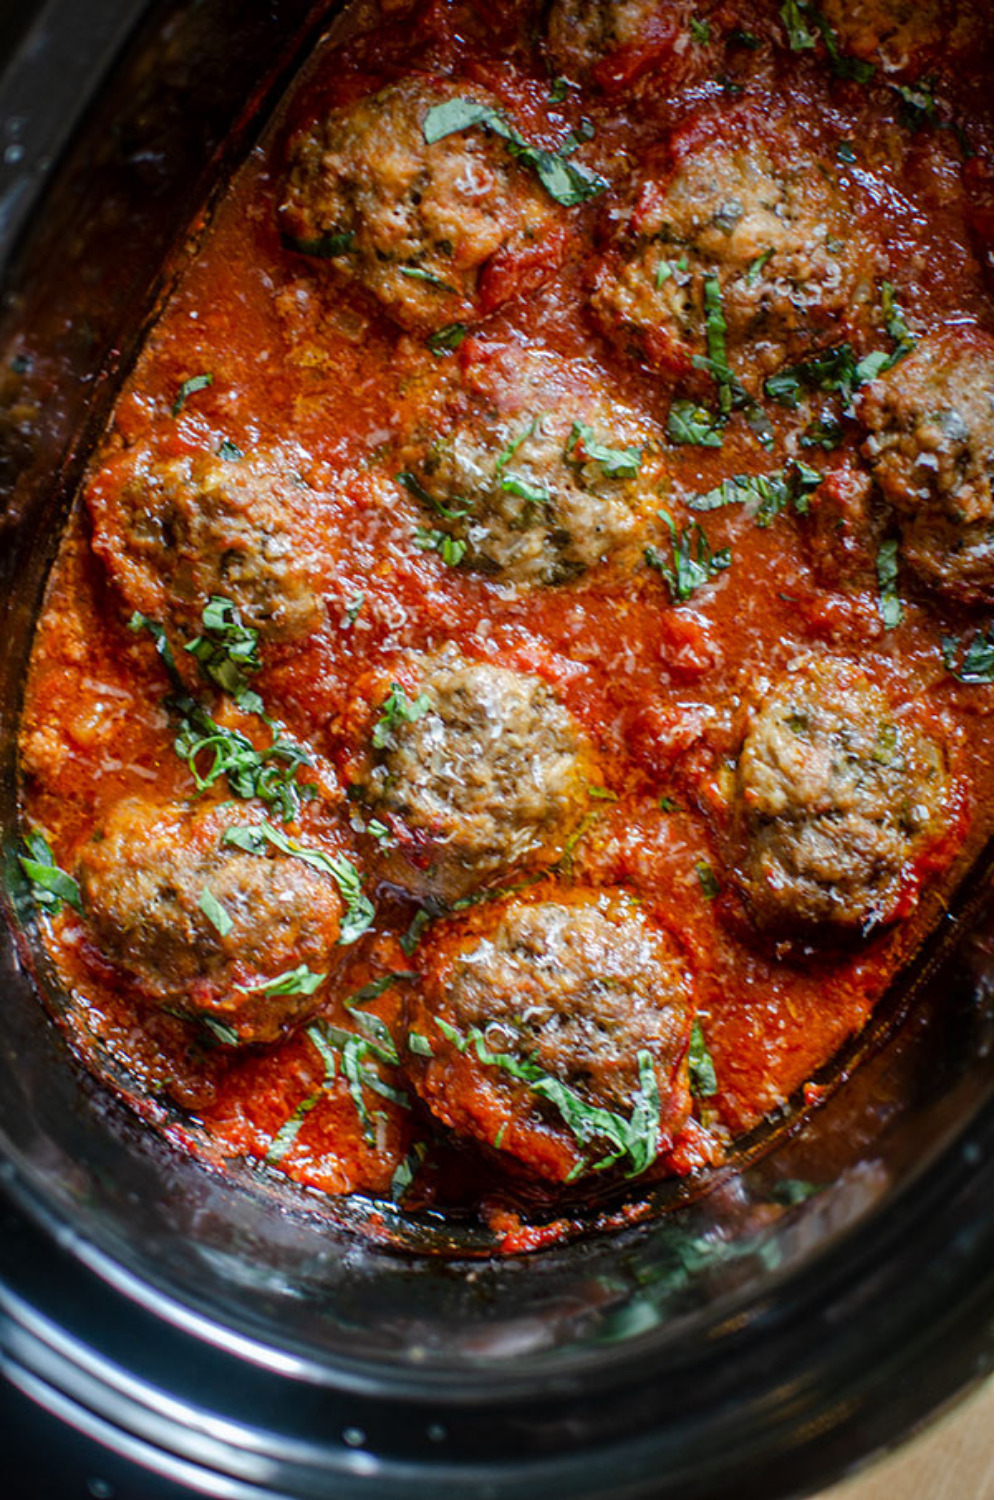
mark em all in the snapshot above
pixel 451 548
pixel 769 494
pixel 402 1178
pixel 419 1045
pixel 562 180
pixel 457 511
pixel 701 1068
pixel 447 339
pixel 226 1036
pixel 757 265
pixel 668 805
pixel 614 463
pixel 706 879
pixel 846 152
pixel 379 831
pixel 333 1043
pixel 397 709
pixel 355 605
pixel 558 91
pixel 833 370
pixel 824 432
pixel 798 16
pixel 254 838
pixel 636 1138
pixel 215 912
pixel 668 268
pixel 324 247
pixel 50 886
pixel 977 664
pixel 417 273
pixel 285 1138
pixel 692 561
pixel 602 794
pixel 800 38
pixel 525 489
pixel 227 652
pixel 700 30
pixel 887 572
pixel 917 106
pixel 297 981
pixel 229 451
pixel 422 918
pixel 690 423
pixel 191 386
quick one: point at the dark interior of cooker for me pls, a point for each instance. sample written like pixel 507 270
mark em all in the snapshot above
pixel 878 1200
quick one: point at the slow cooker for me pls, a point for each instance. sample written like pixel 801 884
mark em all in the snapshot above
pixel 166 1329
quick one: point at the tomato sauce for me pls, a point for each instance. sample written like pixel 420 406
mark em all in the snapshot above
pixel 299 360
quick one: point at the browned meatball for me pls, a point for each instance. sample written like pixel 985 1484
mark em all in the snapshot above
pixel 542 1016
pixel 895 34
pixel 153 887
pixel 835 794
pixel 175 532
pixel 415 224
pixel 478 770
pixel 539 497
pixel 764 228
pixel 931 451
pixel 613 42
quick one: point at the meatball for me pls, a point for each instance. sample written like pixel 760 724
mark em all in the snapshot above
pixel 765 228
pixel 613 42
pixel 538 499
pixel 930 421
pixel 429 230
pixel 479 771
pixel 144 885
pixel 552 1008
pixel 174 532
pixel 895 34
pixel 834 797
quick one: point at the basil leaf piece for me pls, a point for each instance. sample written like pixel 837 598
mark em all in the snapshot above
pixel 707 879
pixel 417 273
pixel 614 463
pixel 692 562
pixel 451 548
pixel 525 489
pixel 977 665
pixel 215 912
pixel 402 1178
pixel 255 838
pixel 689 423
pixel 191 386
pixel 768 494
pixel 458 510
pixel 397 709
pixel 227 652
pixel 700 30
pixel 419 1045
pixel 50 886
pixel 284 1139
pixel 562 180
pixel 793 15
pixel 447 339
pixel 454 115
pixel 326 247
pixel 229 451
pixel 887 572
pixel 701 1068
pixel 298 981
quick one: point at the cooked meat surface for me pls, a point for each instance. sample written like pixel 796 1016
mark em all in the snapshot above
pixel 894 34
pixel 413 223
pixel 144 885
pixel 835 796
pixel 613 41
pixel 174 532
pixel 540 497
pixel 930 421
pixel 768 231
pixel 487 773
pixel 574 988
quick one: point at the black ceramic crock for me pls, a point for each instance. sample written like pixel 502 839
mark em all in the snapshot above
pixel 167 1330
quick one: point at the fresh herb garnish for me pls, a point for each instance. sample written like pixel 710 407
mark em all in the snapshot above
pixel 558 91
pixel 397 709
pixel 191 386
pixel 846 152
pixel 707 879
pixel 422 918
pixel 798 16
pixel 325 247
pixel 567 183
pixel 692 562
pixel 668 268
pixel 419 1045
pixel 447 339
pixel 887 572
pixel 355 605
pixel 668 805
pixel 614 463
pixel 689 423
pixel 353 1052
pixel 635 1138
pixel 229 451
pixel 977 664
pixel 768 494
pixel 701 1068
pixel 458 510
pixel 297 981
pixel 757 265
pixel 917 106
pixel 793 15
pixel 451 548
pixel 525 489
pixel 285 1138
pixel 227 652
pixel 700 30
pixel 417 273
pixel 254 838
pixel 50 886
pixel 215 912
pixel 402 1178
pixel 833 370
pixel 824 432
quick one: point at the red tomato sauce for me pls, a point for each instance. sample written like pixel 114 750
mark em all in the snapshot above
pixel 300 360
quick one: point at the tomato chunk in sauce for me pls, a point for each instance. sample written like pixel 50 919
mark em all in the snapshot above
pixel 516 687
